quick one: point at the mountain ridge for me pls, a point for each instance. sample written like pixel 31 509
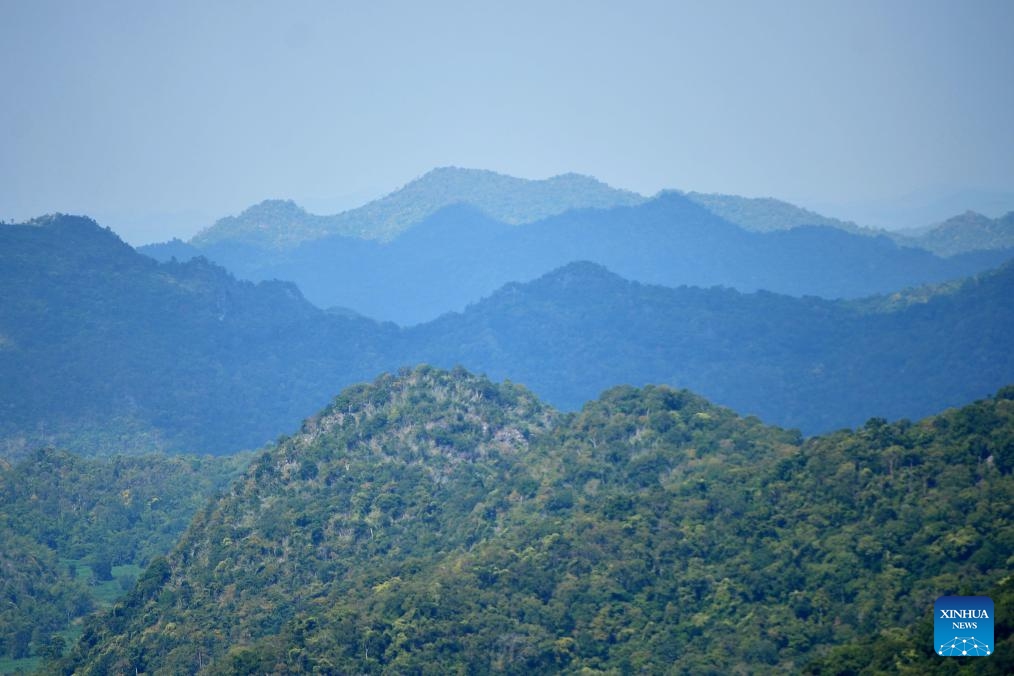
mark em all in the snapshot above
pixel 669 240
pixel 106 363
pixel 281 224
pixel 969 231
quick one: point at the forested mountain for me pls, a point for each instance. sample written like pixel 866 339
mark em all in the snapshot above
pixel 459 255
pixel 102 348
pixel 76 532
pixel 908 650
pixel 970 231
pixel 277 224
pixel 435 522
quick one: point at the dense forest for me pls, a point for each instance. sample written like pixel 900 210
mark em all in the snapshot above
pixel 105 350
pixel 435 522
pixel 76 532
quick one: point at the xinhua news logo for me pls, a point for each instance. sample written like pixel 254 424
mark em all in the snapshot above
pixel 963 626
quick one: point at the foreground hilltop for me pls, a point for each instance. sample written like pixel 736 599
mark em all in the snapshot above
pixel 436 522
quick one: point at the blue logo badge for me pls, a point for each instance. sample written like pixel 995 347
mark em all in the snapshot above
pixel 963 626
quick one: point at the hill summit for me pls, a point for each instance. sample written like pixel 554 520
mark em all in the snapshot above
pixel 435 522
pixel 279 224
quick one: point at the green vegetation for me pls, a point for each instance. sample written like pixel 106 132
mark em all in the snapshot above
pixel 435 522
pixel 909 650
pixel 77 533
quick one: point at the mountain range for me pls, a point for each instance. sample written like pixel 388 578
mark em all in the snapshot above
pixel 576 509
pixel 101 347
pixel 460 254
pixel 280 224
pixel 967 232
pixel 436 522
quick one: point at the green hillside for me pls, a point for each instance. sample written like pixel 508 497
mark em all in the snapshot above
pixel 76 532
pixel 909 651
pixel 435 522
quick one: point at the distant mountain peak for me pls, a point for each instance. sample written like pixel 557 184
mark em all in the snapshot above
pixel 581 269
pixel 766 214
pixel 60 220
pixel 965 232
pixel 281 224
pixel 67 234
pixel 274 206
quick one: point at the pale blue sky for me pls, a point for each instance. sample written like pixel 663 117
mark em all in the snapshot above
pixel 156 118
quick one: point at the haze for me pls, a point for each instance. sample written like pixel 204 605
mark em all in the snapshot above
pixel 158 118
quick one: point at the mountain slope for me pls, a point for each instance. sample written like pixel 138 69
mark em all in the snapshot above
pixel 458 255
pixel 434 522
pixel 77 531
pixel 808 363
pixel 278 224
pixel 909 650
pixel 968 232
pixel 105 350
pixel 101 347
pixel 766 214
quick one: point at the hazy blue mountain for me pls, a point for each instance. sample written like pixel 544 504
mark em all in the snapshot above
pixel 102 348
pixel 809 363
pixel 459 254
pixel 166 251
pixel 967 232
pixel 436 522
pixel 278 224
pixel 766 214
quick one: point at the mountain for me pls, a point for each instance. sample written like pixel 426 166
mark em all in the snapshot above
pixel 460 254
pixel 766 214
pixel 968 232
pixel 166 251
pixel 105 350
pixel 435 522
pixel 77 531
pixel 809 363
pixel 102 348
pixel 278 224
